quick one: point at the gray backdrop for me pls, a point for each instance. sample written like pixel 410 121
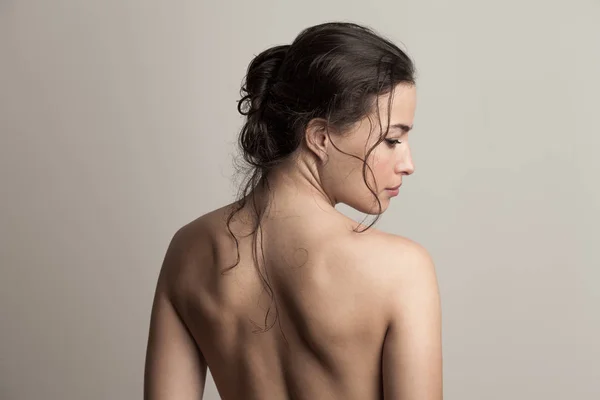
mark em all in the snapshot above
pixel 118 122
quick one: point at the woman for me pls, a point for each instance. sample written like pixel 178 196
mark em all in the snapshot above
pixel 356 311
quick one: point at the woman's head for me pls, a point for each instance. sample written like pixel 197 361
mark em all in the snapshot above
pixel 341 96
pixel 360 165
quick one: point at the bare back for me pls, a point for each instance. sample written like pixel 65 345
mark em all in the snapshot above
pixel 332 291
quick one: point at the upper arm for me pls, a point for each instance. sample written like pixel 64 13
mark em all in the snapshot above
pixel 175 368
pixel 412 351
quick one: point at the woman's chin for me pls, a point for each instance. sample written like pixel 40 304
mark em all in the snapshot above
pixel 372 209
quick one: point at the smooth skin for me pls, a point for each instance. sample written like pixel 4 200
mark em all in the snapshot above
pixel 359 314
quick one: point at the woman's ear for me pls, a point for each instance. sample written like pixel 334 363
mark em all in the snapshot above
pixel 317 138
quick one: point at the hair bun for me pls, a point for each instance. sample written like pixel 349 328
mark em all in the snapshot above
pixel 262 72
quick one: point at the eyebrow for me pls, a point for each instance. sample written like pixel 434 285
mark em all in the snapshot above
pixel 404 127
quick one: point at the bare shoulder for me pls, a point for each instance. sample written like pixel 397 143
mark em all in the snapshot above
pixel 399 256
pixel 405 268
pixel 189 249
pixel 396 267
pixel 193 237
pixel 409 259
pixel 412 356
pixel 412 268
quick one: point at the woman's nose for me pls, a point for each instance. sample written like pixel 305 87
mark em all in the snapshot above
pixel 405 165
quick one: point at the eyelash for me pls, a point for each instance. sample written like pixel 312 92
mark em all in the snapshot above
pixel 392 142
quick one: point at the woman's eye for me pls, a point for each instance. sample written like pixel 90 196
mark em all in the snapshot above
pixel 393 142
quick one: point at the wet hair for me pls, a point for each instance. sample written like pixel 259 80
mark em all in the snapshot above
pixel 333 71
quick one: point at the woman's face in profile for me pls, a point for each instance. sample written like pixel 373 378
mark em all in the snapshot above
pixel 389 161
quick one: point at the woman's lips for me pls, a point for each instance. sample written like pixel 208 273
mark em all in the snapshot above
pixel 394 191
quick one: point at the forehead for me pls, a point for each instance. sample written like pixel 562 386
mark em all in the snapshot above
pixel 402 107
pixel 401 110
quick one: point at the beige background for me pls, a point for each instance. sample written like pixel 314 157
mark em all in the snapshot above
pixel 118 121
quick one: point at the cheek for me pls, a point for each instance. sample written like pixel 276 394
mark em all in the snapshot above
pixel 381 165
